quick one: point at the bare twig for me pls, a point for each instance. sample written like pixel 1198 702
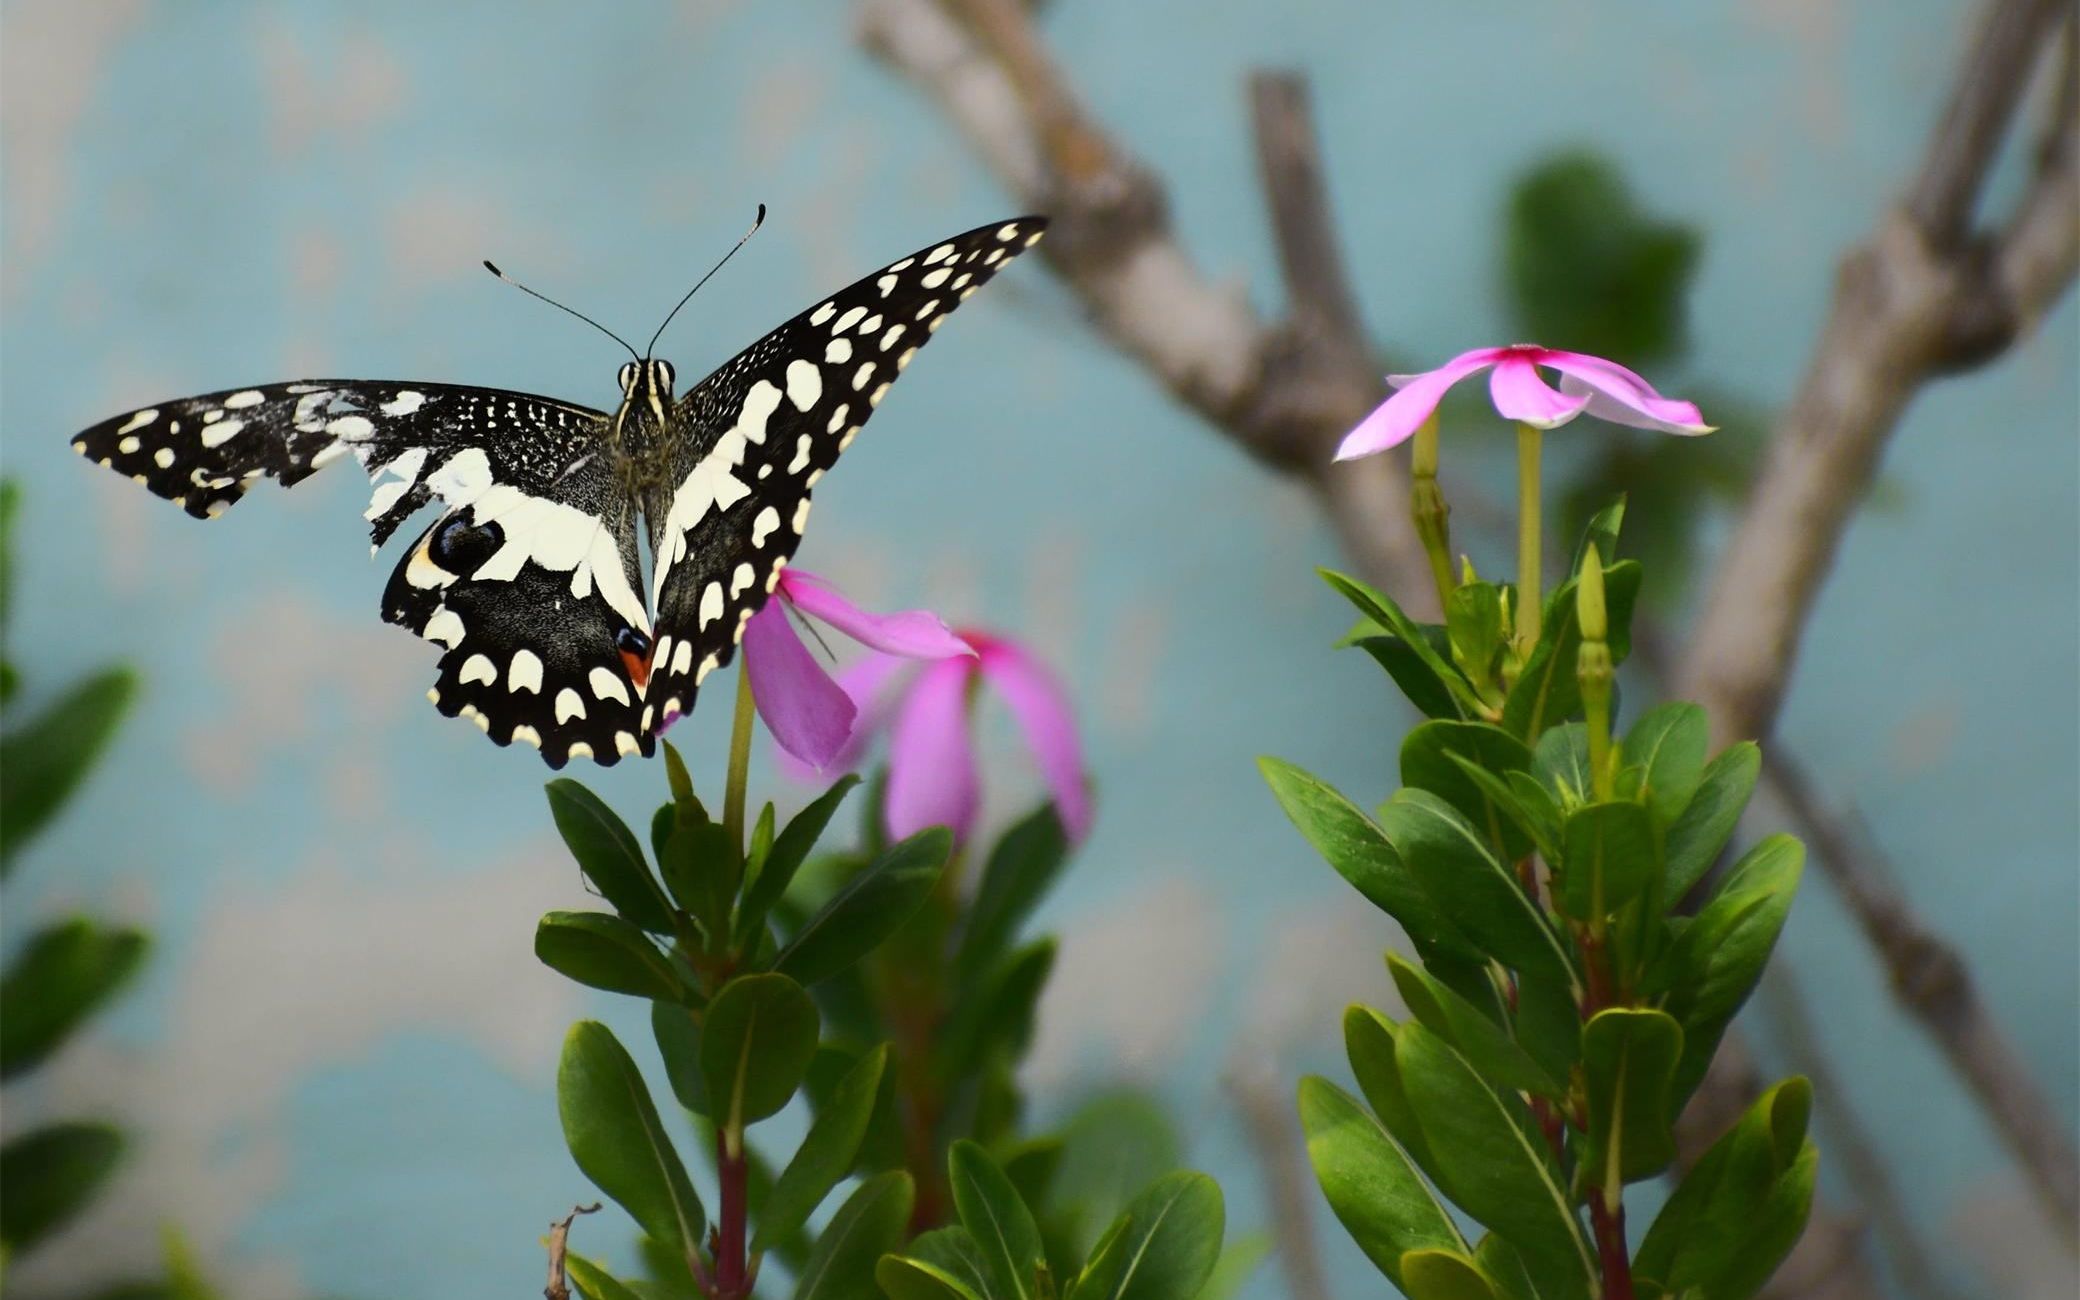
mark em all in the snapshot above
pixel 1281 1151
pixel 559 1287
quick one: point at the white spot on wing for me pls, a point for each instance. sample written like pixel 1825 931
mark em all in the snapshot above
pixel 445 626
pixel 711 604
pixel 763 526
pixel 606 685
pixel 223 431
pixel 852 317
pixel 569 704
pixel 525 673
pixel 406 402
pixel 838 352
pixel 743 577
pixel 804 386
pixel 240 400
pixel 139 420
pixel 478 668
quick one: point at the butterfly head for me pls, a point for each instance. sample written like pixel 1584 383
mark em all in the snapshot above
pixel 646 393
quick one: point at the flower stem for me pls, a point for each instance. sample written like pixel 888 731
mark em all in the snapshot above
pixel 1530 594
pixel 739 763
pixel 733 1173
pixel 1432 515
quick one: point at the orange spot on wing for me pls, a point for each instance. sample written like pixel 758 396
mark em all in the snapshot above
pixel 638 667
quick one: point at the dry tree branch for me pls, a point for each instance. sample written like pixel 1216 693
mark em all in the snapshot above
pixel 559 1287
pixel 1285 392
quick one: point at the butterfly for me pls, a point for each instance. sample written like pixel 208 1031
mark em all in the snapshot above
pixel 530 579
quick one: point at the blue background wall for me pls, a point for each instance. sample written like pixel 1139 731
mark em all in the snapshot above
pixel 342 1058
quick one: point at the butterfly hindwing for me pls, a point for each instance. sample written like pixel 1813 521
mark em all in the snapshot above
pixel 536 600
pixel 754 437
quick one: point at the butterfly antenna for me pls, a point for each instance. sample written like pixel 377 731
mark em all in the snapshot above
pixel 560 307
pixel 756 222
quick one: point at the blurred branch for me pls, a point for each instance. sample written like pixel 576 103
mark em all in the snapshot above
pixel 1285 392
pixel 1909 307
pixel 1275 1139
pixel 1924 297
pixel 559 1287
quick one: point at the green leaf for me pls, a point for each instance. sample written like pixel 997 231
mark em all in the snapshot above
pixel 1480 1040
pixel 594 1282
pixel 1560 763
pixel 1601 532
pixel 63 975
pixel 47 758
pixel 1382 610
pixel 871 906
pixel 994 1215
pixel 1546 691
pixel 1737 1213
pixel 756 1043
pixel 1443 1275
pixel 763 832
pixel 1359 850
pixel 1021 867
pixel 701 868
pixel 1167 1241
pixel 1240 1259
pixel 1536 818
pixel 603 951
pixel 1368 1040
pixel 615 1135
pixel 790 849
pixel 1587 268
pixel 1412 672
pixel 826 1155
pixel 1477 629
pixel 1497 1171
pixel 1549 1025
pixel 1476 891
pixel 1701 830
pixel 1628 1061
pixel 953 1252
pixel 1668 747
pixel 1368 1180
pixel 867 1226
pixel 1715 963
pixel 48 1175
pixel 607 852
pixel 677 1030
pixel 995 1014
pixel 1113 1144
pixel 1431 758
pixel 1611 858
pixel 903 1278
pixel 1504 1268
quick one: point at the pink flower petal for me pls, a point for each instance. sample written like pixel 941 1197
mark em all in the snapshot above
pixel 1520 393
pixel 1042 710
pixel 914 633
pixel 931 760
pixel 1622 397
pixel 1396 420
pixel 809 715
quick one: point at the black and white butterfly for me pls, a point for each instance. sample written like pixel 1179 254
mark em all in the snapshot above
pixel 530 579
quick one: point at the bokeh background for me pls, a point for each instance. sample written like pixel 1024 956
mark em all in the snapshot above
pixel 338 1066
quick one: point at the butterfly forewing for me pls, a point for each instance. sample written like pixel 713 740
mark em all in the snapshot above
pixel 755 436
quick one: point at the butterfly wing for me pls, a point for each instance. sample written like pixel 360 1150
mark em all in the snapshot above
pixel 754 437
pixel 529 580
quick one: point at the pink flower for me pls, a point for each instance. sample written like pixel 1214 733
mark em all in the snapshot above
pixel 809 715
pixel 933 779
pixel 1602 388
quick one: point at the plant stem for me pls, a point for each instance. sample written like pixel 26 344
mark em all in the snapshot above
pixel 1432 516
pixel 1609 1222
pixel 732 1171
pixel 739 762
pixel 1530 584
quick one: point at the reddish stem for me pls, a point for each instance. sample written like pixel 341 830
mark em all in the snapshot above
pixel 732 1281
pixel 1610 1247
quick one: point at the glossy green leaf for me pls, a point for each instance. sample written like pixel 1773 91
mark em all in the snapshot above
pixel 1667 746
pixel 609 855
pixel 1477 629
pixel 48 1175
pixel 1112 1145
pixel 594 1282
pixel 1021 868
pixel 1546 691
pixel 1169 1238
pixel 701 870
pixel 1504 1268
pixel 1412 672
pixel 1368 1040
pixel 1359 850
pixel 1369 1181
pixel 871 1222
pixel 1548 1024
pixel 1716 962
pixel 1478 893
pixel 1628 1062
pixel 603 951
pixel 63 975
pixel 954 1253
pixel 677 1030
pixel 1484 1044
pixel 1381 609
pixel 1736 1214
pixel 763 832
pixel 904 1278
pixel 790 849
pixel 1534 818
pixel 48 757
pixel 1699 833
pixel 1497 1171
pixel 871 906
pixel 1611 858
pixel 1560 763
pixel 827 1153
pixel 1430 760
pixel 995 1216
pixel 1443 1275
pixel 756 1043
pixel 614 1133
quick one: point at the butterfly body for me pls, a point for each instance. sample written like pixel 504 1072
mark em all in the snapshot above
pixel 530 578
